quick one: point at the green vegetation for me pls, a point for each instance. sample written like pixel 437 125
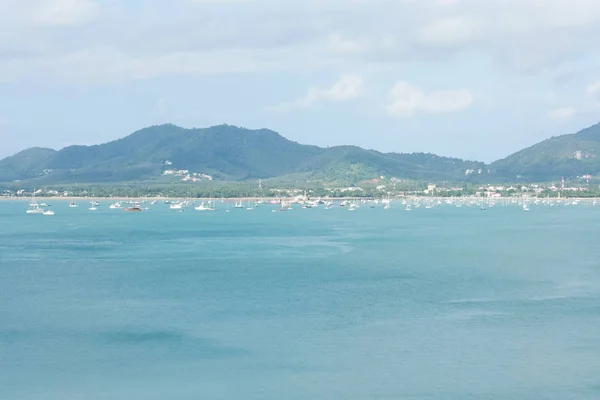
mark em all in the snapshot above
pixel 567 155
pixel 25 164
pixel 226 153
pixel 232 154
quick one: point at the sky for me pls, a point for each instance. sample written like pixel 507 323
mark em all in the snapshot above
pixel 475 79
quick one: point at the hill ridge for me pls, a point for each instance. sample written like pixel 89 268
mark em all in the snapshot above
pixel 229 152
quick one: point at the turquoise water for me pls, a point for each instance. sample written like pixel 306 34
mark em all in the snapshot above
pixel 444 303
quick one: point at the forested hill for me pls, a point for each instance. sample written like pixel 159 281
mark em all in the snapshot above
pixel 561 156
pixel 225 152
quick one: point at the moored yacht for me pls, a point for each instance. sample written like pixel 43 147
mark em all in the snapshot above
pixel 34 207
pixel 205 207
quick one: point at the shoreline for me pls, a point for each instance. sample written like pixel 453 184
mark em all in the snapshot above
pixel 287 199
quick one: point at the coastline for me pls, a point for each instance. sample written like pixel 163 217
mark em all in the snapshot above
pixel 287 199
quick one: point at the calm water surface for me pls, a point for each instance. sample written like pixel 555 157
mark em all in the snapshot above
pixel 444 303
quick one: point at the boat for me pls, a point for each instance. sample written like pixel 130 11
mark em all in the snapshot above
pixel 525 207
pixel 238 204
pixel 204 207
pixel 176 206
pixel 73 204
pixel 34 207
pixel 48 212
pixel 116 205
pixel 136 208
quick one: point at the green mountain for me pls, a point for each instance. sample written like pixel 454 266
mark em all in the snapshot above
pixel 566 156
pixel 25 164
pixel 225 152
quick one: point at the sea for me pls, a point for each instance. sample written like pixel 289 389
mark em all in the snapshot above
pixel 441 303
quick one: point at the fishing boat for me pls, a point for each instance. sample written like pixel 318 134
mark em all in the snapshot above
pixel 136 208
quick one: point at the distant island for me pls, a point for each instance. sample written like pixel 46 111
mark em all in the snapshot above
pixel 169 154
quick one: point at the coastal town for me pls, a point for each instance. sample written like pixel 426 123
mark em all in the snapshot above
pixel 380 188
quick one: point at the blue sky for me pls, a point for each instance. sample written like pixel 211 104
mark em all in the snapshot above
pixel 467 78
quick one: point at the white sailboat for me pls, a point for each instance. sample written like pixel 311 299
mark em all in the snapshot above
pixel 176 206
pixel 93 206
pixel 34 207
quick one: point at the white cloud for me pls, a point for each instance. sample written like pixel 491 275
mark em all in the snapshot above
pixel 406 100
pixel 562 113
pixel 594 88
pixel 451 30
pixel 65 12
pixel 332 35
pixel 348 87
pixel 339 44
pixel 220 1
